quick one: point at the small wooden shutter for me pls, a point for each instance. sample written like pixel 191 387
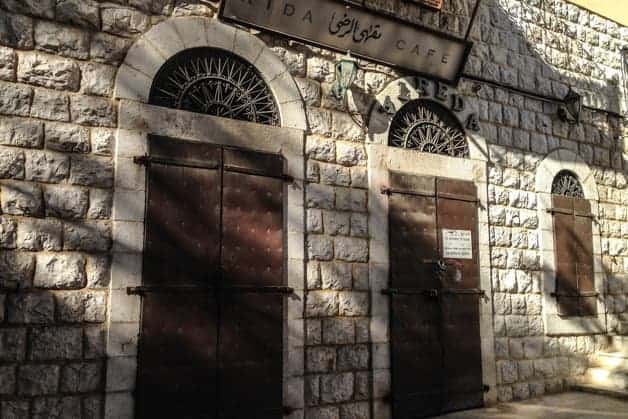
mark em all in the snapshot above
pixel 573 245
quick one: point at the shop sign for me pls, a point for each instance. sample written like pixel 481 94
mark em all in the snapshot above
pixel 335 25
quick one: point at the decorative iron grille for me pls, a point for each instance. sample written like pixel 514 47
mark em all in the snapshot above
pixel 214 82
pixel 566 184
pixel 427 126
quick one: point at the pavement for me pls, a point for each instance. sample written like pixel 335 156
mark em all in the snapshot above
pixel 572 405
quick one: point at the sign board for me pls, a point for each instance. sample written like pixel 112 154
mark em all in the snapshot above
pixel 457 244
pixel 336 25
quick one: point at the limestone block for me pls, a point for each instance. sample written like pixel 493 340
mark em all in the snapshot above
pixel 544 368
pixel 21 133
pixel 31 308
pixel 95 341
pixel 91 171
pixel 504 394
pixel 319 121
pixel 501 303
pixel 337 387
pixel 61 40
pixel 97 79
pixel 338 331
pixel 355 410
pixel 328 412
pixel 56 343
pixel 321 303
pixel 319 247
pixel 314 221
pixel 501 348
pixel 108 49
pixel 533 347
pixel 70 307
pixel 123 21
pixel 97 270
pixel 321 359
pixel 13 344
pixel 8 64
pixel 332 174
pixel 21 199
pixel 57 407
pixel 82 377
pixel 94 111
pixel 96 307
pixel 313 332
pixel 48 71
pixel 359 225
pixel 36 380
pixel 7 380
pixel 16 269
pixel 508 372
pixel 345 128
pixel 103 140
pixel 319 196
pixel 520 391
pixel 47 166
pixel 351 199
pixel 60 270
pixel 353 358
pixel 359 177
pixel 351 249
pixel 67 138
pixel 90 236
pixel 37 234
pixel 336 223
pixel 15 99
pixel 294 60
pixel 518 302
pixel 517 326
pixel 65 202
pixel 80 12
pixel 335 275
pixel 350 154
pixel 362 386
pixel 51 105
pixel 353 303
pixel 310 91
pixel 16 31
pixel 11 164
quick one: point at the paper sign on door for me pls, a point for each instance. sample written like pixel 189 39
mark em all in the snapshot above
pixel 457 244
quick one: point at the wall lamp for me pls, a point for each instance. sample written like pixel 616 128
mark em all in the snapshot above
pixel 346 72
pixel 569 111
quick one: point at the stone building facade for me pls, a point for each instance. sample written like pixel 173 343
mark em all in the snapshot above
pixel 75 87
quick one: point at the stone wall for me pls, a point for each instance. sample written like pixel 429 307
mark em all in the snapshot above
pixel 58 60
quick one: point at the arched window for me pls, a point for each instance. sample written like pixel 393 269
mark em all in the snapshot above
pixel 427 126
pixel 567 184
pixel 214 82
pixel 573 246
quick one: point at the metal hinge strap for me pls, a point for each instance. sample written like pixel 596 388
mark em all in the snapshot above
pixel 579 294
pixel 141 290
pixel 565 211
pixel 148 160
pixel 389 191
pixel 253 172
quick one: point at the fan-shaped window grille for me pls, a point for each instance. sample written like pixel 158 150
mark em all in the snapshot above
pixel 214 82
pixel 429 127
pixel 566 184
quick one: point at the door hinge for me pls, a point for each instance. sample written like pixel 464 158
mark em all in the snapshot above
pixel 486 388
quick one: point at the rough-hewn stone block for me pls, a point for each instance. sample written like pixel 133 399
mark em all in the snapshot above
pixel 11 164
pixel 338 331
pixel 21 133
pixel 15 99
pixel 47 166
pixel 88 236
pixel 16 269
pixel 16 31
pixel 95 111
pixel 12 344
pixel 80 12
pixel 8 64
pixel 62 40
pixel 57 407
pixel 8 233
pixel 95 342
pixel 336 388
pixel 39 8
pixel 37 235
pixel 51 105
pixel 97 79
pixel 81 377
pixel 123 21
pixel 7 380
pixel 336 275
pixel 62 270
pixel 91 171
pixel 67 138
pixel 31 308
pixel 353 357
pixel 321 359
pixel 65 202
pixel 108 49
pixel 56 343
pixel 321 303
pixel 319 248
pixel 353 303
pixel 20 198
pixel 351 249
pixel 36 380
pixel 48 71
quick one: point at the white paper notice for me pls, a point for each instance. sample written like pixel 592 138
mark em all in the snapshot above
pixel 457 244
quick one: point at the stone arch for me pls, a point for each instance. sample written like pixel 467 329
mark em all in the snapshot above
pixel 401 91
pixel 166 39
pixel 563 159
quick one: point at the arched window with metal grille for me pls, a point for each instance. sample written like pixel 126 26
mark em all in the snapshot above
pixel 215 82
pixel 427 126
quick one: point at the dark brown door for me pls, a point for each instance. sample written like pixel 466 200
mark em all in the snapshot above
pixel 434 278
pixel 211 336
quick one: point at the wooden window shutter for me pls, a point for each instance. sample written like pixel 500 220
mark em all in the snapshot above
pixel 573 247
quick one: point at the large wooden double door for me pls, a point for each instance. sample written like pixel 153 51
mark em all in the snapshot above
pixel 213 275
pixel 434 291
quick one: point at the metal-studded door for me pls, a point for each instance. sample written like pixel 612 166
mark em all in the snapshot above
pixel 434 277
pixel 212 306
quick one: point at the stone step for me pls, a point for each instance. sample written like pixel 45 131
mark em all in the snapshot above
pixel 611 361
pixel 611 392
pixel 601 377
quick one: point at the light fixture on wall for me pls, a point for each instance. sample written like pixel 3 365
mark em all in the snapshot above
pixel 569 111
pixel 346 71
